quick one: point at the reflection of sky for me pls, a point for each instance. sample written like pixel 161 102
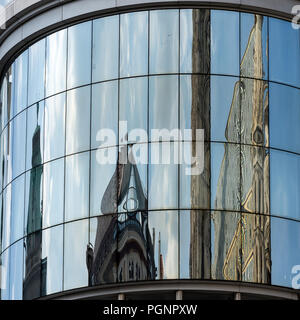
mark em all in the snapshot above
pixel 186 40
pixel 285 184
pixel 284 52
pixel 16 271
pixel 5 2
pixel 166 222
pixel 225 42
pixel 185 235
pixel 285 245
pixel 284 117
pixel 222 89
pixel 217 155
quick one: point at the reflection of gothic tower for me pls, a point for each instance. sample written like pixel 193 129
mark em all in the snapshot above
pixel 123 249
pixel 200 195
pixel 250 232
pixel 35 268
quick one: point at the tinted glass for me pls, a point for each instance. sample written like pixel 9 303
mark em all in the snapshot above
pixel 56 62
pixel 77 186
pixel 6 218
pixel 75 268
pixel 104 114
pixel 164 41
pixel 163 226
pixel 284 52
pixel 78 120
pixel 134 44
pixel 224 42
pixel 79 54
pixel 105 48
pixel 16 271
pixel 36 74
pixel 54 141
pixel 53 192
pixel 285 184
pixel 284 117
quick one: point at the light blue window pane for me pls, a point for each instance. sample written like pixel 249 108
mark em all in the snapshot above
pixel 77 186
pixel 284 117
pixel 36 75
pixel 79 54
pixel 52 258
pixel 164 41
pixel 106 48
pixel 284 52
pixel 78 120
pixel 224 42
pixel 53 193
pixel 56 62
pixel 75 270
pixel 134 44
pixel 285 184
pixel 104 114
pixel 54 141
pixel 6 217
pixel 16 271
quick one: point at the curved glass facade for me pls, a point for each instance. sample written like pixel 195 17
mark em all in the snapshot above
pixel 70 219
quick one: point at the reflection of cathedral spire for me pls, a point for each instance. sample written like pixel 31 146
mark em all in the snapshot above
pixel 123 250
pixel 35 269
pixel 242 243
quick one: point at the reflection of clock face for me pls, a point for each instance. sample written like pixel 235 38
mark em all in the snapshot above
pixel 131 204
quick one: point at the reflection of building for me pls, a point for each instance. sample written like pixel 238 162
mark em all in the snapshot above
pixel 123 249
pixel 243 242
pixel 35 268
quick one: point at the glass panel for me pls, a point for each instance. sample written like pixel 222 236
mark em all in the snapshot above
pixel 284 52
pixel 6 217
pixel 20 82
pixel 77 186
pixel 285 244
pixel 103 181
pixel 4 289
pixel 134 44
pixel 104 114
pixel 225 176
pixel 163 103
pixel 163 176
pixel 53 193
pixel 7 159
pixel 79 54
pixel 164 41
pixel 285 184
pixel 256 238
pixel 195 250
pixel 195 104
pixel 33 200
pixel 4 102
pixel 102 251
pixel 16 271
pixel 18 144
pixel 54 143
pixel 52 260
pixel 56 62
pixel 254 46
pixel 17 208
pixel 225 109
pixel 284 117
pixel 78 120
pixel 35 135
pixel 132 173
pixel 254 112
pixel 195 175
pixel 105 48
pixel 75 268
pixel 224 42
pixel 135 248
pixel 36 75
pixel 35 267
pixel 133 109
pixel 226 244
pixel 163 251
pixel 255 179
pixel 195 41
